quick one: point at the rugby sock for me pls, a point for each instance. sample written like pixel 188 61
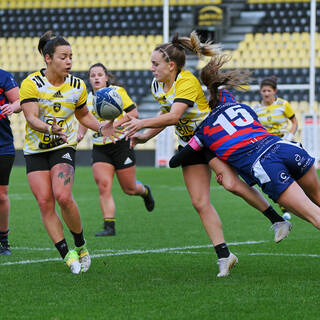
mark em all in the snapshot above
pixel 62 247
pixel 222 250
pixel 109 223
pixel 4 237
pixel 272 215
pixel 78 238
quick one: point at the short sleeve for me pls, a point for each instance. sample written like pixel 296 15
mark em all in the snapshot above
pixel 289 113
pixel 83 96
pixel 126 100
pixel 186 91
pixel 28 91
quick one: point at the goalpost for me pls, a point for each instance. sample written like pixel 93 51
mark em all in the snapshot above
pixel 310 125
pixel 165 139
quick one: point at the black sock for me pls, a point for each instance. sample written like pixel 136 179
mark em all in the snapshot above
pixel 109 223
pixel 222 250
pixel 4 237
pixel 272 215
pixel 62 247
pixel 78 239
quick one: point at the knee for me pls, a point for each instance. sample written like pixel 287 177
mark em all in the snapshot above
pixel 104 187
pixel 200 205
pixel 45 204
pixel 231 186
pixel 129 190
pixel 64 200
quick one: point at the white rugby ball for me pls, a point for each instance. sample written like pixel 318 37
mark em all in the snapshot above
pixel 107 103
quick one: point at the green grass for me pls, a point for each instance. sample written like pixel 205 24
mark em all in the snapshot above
pixel 132 278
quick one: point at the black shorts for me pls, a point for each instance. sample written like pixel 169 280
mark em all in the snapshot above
pixel 200 157
pixel 119 154
pixel 46 160
pixel 6 163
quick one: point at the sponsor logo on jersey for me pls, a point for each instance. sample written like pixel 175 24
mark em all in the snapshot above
pixel 67 156
pixel 58 94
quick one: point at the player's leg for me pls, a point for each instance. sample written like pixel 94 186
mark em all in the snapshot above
pixel 310 184
pixel 197 180
pixel 41 187
pixel 129 184
pixel 6 162
pixel 297 202
pixel 103 175
pixel 228 177
pixel 124 160
pixel 61 164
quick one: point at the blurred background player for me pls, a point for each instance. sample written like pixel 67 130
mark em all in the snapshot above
pixel 109 158
pixel 9 103
pixel 276 114
pixel 184 105
pixel 50 98
pixel 283 169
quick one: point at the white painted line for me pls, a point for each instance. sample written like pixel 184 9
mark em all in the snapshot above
pixel 109 252
pixel 285 254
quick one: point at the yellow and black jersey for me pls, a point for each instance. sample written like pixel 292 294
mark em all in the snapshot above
pixel 127 106
pixel 275 117
pixel 186 89
pixel 54 102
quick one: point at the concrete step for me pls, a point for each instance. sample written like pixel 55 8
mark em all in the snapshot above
pixel 240 29
pixel 233 38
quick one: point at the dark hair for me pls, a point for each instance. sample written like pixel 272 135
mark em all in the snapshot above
pixel 175 50
pixel 48 43
pixel 112 78
pixel 270 81
pixel 213 78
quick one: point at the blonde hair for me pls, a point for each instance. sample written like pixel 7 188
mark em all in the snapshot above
pixel 212 77
pixel 175 49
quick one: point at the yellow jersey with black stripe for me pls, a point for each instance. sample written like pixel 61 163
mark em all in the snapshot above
pixel 127 106
pixel 54 102
pixel 275 117
pixel 187 89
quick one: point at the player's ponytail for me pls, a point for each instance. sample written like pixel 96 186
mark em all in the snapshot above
pixel 175 49
pixel 212 77
pixel 48 43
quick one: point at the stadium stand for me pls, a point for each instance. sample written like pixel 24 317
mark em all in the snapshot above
pixel 123 33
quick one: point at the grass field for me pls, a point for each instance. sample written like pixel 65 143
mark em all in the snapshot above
pixel 160 265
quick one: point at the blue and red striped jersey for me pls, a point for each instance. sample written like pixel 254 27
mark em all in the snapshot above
pixel 233 132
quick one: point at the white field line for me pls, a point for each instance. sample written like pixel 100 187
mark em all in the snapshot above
pixel 181 250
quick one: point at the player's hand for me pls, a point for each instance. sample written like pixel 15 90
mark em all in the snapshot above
pixel 132 126
pixel 80 136
pixel 136 139
pixel 7 109
pixel 57 130
pixel 107 130
pixel 288 136
pixel 219 178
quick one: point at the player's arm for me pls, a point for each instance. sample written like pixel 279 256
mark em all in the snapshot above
pixel 181 155
pixel 161 121
pixel 14 102
pixel 194 145
pixel 31 113
pixel 82 130
pixel 88 120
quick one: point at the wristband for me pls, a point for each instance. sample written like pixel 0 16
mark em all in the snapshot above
pixel 99 130
pixel 50 130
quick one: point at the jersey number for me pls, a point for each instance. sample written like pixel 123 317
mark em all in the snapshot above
pixel 239 116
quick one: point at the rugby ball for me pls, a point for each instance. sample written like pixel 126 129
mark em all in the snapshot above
pixel 107 103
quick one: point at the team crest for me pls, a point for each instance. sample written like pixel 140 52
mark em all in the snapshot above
pixel 56 107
